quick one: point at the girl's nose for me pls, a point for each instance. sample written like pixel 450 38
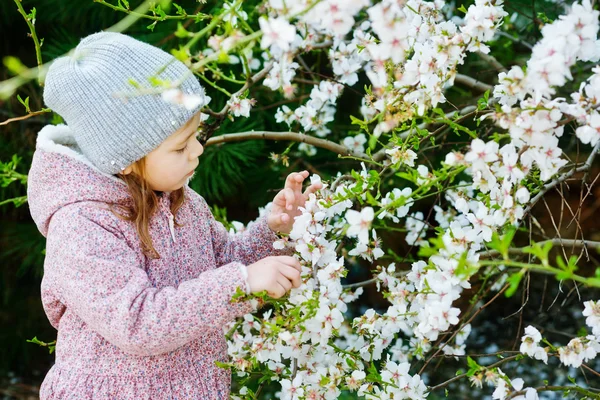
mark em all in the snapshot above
pixel 197 149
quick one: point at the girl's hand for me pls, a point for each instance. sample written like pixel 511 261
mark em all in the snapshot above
pixel 287 201
pixel 276 274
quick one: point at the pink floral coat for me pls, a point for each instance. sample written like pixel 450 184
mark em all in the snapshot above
pixel 130 327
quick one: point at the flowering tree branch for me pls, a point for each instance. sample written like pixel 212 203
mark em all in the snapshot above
pixel 592 393
pixel 465 375
pixel 370 281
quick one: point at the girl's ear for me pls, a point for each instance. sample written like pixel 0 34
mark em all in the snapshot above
pixel 128 170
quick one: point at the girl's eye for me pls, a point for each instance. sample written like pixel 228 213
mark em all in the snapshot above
pixel 181 150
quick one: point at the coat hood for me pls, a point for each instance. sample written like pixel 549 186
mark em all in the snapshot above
pixel 61 175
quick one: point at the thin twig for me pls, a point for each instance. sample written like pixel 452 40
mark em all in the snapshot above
pixel 32 114
pixel 586 166
pixel 556 241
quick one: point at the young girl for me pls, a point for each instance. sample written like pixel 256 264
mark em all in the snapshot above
pixel 138 275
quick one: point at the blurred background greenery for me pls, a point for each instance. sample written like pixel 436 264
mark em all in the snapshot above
pixel 236 177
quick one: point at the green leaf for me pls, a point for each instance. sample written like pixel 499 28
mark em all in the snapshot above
pixel 51 345
pixel 373 375
pixel 541 252
pixel 462 8
pixel 25 103
pixel 473 366
pixel 181 32
pixel 351 363
pixel 180 54
pixel 158 11
pixel 514 281
pixel 372 142
pixel 482 102
pixel 582 332
pixel 356 121
pixel 180 10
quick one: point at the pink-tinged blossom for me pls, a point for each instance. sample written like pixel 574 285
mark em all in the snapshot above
pixel 240 107
pixel 483 222
pixel 278 34
pixel 292 390
pixel 482 152
pixel 360 223
pixel 189 101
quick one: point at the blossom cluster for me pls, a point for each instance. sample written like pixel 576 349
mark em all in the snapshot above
pixel 577 351
pixel 317 112
pixel 410 53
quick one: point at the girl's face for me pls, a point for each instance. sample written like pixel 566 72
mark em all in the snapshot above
pixel 170 165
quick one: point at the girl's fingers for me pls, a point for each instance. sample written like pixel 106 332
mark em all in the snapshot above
pixel 289 198
pixel 285 283
pixel 289 261
pixel 285 198
pixel 312 189
pixel 291 274
pixel 295 179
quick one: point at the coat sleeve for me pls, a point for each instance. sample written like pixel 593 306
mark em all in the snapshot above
pixel 246 247
pixel 92 270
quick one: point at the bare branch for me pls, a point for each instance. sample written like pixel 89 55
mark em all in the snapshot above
pixel 473 83
pixel 492 61
pixel 289 136
pixel 555 241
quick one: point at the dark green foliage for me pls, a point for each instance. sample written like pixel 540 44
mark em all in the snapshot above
pixel 224 168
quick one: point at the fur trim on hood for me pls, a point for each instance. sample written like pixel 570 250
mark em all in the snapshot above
pixel 60 175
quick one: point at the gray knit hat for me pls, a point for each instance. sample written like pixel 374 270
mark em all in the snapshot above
pixel 86 89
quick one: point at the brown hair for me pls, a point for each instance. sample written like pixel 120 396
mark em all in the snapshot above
pixel 144 204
